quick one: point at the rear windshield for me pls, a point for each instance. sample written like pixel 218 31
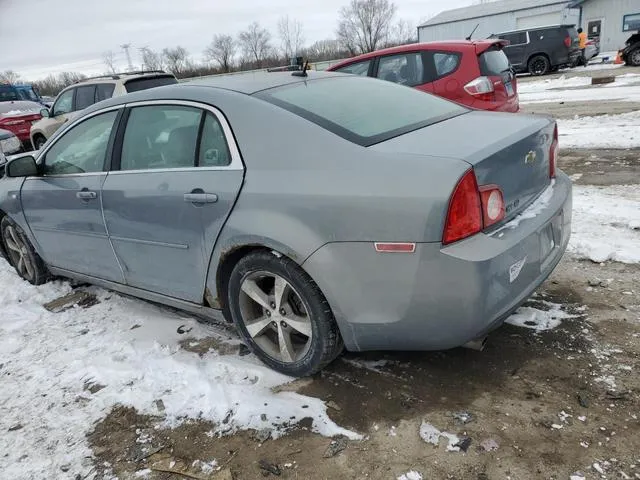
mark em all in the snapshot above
pixel 493 62
pixel 362 110
pixel 137 84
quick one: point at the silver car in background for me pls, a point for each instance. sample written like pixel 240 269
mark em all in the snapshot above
pixel 315 212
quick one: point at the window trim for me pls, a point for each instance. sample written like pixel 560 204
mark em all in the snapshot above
pixel 236 158
pixel 62 131
pixel 371 70
pixel 419 52
pixel 624 17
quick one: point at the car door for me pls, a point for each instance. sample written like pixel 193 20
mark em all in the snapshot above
pixel 516 51
pixel 85 97
pixel 174 181
pixel 60 112
pixel 62 206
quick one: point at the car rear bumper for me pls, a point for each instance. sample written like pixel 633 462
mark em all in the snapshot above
pixel 441 297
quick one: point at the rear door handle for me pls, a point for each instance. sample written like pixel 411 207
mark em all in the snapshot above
pixel 200 197
pixel 86 195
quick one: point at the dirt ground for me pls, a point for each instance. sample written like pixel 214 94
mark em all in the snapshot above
pixel 538 405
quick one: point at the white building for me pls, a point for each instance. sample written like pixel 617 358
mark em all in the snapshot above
pixel 612 20
pixel 501 16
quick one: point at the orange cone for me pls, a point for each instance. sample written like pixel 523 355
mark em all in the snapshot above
pixel 618 60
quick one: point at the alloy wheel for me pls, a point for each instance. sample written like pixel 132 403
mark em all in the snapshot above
pixel 18 252
pixel 275 316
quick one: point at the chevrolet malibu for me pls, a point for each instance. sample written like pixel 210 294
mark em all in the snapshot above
pixel 316 212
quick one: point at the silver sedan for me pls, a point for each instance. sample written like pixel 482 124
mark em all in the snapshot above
pixel 315 212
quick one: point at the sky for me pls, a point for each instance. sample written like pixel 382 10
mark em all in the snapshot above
pixel 40 37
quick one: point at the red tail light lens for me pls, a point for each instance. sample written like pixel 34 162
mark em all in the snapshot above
pixel 492 204
pixel 464 217
pixel 553 153
pixel 481 88
pixel 567 41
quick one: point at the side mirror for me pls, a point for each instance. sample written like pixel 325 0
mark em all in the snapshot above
pixel 44 112
pixel 22 167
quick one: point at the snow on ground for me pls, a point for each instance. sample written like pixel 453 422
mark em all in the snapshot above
pixel 412 475
pixel 49 361
pixel 605 131
pixel 563 89
pixel 539 320
pixel 606 223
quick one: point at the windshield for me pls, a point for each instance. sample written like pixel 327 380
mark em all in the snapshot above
pixel 362 110
pixel 8 93
pixel 27 93
pixel 144 83
pixel 493 62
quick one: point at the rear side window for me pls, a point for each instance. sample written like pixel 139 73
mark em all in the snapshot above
pixel 137 84
pixel 493 62
pixel 214 151
pixel 85 96
pixel 362 110
pixel 445 63
pixel 8 93
pixel 515 38
pixel 160 136
pixel 104 91
pixel 359 68
pixel 405 69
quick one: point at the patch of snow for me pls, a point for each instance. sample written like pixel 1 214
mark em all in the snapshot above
pixel 604 131
pixel 608 380
pixel 606 223
pixel 412 475
pixel 576 476
pixel 453 441
pixel 143 473
pixel 625 88
pixel 429 433
pixel 373 365
pixel 48 359
pixel 539 320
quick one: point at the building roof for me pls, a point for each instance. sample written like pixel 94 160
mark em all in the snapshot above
pixel 489 9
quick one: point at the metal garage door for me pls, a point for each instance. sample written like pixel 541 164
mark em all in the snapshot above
pixel 542 20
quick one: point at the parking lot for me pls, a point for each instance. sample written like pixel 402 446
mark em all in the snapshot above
pixel 116 386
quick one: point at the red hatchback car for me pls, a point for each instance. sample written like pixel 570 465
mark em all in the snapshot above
pixel 474 73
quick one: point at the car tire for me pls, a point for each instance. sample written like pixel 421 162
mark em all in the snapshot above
pixel 265 292
pixel 539 65
pixel 633 58
pixel 21 254
pixel 39 141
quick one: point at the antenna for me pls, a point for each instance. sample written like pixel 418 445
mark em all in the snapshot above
pixel 472 32
pixel 126 47
pixel 303 73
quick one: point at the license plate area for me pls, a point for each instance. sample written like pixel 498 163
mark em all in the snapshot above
pixel 509 88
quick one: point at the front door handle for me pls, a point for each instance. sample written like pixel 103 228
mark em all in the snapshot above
pixel 200 197
pixel 86 195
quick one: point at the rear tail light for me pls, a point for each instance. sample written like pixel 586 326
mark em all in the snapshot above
pixel 553 153
pixel 481 88
pixel 472 209
pixel 11 122
pixel 464 217
pixel 567 41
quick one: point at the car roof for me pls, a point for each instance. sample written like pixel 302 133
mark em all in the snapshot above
pixel 546 27
pixel 254 82
pixel 456 45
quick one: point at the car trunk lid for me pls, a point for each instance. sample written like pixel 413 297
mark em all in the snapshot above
pixel 510 151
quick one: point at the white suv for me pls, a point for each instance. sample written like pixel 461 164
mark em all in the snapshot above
pixel 85 93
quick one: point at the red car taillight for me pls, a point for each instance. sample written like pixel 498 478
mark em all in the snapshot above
pixel 567 41
pixel 9 122
pixel 553 153
pixel 481 88
pixel 471 209
pixel 464 217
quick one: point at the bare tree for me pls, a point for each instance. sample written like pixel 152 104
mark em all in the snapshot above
pixel 364 25
pixel 109 60
pixel 177 59
pixel 291 36
pixel 9 76
pixel 255 43
pixel 403 32
pixel 151 60
pixel 323 50
pixel 221 50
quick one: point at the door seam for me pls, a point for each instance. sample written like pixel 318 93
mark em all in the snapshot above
pixel 106 228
